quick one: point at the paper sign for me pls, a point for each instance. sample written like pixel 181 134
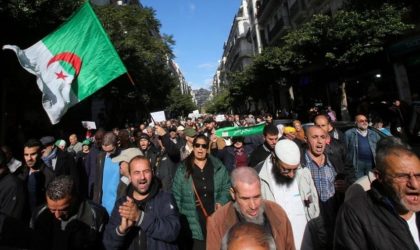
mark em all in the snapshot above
pixel 89 125
pixel 158 116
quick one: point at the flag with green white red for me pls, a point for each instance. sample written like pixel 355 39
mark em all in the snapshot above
pixel 71 63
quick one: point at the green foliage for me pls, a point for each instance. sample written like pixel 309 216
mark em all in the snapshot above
pixel 180 104
pixel 219 104
pixel 135 34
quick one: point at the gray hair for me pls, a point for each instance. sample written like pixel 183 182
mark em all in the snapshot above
pixel 110 139
pixel 60 188
pixel 390 146
pixel 251 231
pixel 247 175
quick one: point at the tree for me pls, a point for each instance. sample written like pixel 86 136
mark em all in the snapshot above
pixel 221 103
pixel 180 104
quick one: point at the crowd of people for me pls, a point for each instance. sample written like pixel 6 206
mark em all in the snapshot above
pixel 176 185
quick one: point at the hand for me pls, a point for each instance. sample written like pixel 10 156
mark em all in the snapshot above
pixel 125 225
pixel 159 130
pixel 129 210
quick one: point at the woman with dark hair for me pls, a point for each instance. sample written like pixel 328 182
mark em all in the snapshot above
pixel 200 186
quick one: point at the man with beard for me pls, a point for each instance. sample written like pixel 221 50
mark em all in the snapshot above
pixel 66 221
pixel 249 206
pixel 147 218
pixel 271 136
pixel 387 216
pixel 285 182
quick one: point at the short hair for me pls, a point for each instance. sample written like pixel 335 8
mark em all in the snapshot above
pixel 137 158
pixel 388 146
pixel 60 188
pixel 270 129
pixel 250 231
pixel 326 117
pixel 247 175
pixel 110 139
pixel 307 128
pixel 32 143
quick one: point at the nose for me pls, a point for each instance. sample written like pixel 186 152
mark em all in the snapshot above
pixel 413 182
pixel 291 174
pixel 252 204
pixel 57 215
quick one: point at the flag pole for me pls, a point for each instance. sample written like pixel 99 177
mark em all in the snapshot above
pixel 132 82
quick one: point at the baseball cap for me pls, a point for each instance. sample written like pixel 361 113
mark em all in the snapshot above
pixel 127 154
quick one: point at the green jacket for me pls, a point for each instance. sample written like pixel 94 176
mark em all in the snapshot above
pixel 184 194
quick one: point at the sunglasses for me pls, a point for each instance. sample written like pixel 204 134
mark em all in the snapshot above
pixel 197 145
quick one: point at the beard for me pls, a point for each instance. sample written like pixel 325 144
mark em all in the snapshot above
pixel 259 219
pixel 398 201
pixel 279 177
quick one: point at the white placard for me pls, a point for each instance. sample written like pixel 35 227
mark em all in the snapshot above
pixel 158 116
pixel 89 125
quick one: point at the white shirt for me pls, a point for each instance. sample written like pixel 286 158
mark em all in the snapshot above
pixel 413 229
pixel 288 197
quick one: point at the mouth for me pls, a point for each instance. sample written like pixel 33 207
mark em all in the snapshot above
pixel 413 197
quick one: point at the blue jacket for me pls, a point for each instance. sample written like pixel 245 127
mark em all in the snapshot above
pixel 159 221
pixel 352 145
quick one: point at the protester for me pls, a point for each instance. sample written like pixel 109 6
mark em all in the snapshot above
pixel 271 136
pixel 386 216
pixel 146 218
pixel 201 179
pixel 285 182
pixel 248 235
pixel 66 221
pixel 248 206
pixel 14 165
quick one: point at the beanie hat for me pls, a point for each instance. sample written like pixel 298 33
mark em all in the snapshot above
pixel 287 151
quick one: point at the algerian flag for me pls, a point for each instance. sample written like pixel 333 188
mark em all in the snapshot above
pixel 71 63
pixel 240 131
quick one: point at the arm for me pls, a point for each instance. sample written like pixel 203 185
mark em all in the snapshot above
pixel 223 195
pixel 214 236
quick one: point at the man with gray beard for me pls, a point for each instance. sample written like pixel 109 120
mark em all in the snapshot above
pixel 248 206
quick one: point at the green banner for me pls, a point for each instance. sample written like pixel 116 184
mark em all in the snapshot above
pixel 240 131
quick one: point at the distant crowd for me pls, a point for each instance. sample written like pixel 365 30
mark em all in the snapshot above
pixel 177 185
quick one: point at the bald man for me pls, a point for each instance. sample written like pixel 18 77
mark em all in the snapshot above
pixel 248 206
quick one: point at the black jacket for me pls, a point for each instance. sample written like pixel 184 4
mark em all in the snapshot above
pixel 12 195
pixel 369 221
pixel 83 230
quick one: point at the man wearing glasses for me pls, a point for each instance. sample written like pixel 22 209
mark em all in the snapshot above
pixel 386 216
pixel 361 145
pixel 285 182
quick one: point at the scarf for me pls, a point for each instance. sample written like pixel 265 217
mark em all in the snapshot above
pixel 48 159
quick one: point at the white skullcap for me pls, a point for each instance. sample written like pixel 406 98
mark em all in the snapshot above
pixel 288 152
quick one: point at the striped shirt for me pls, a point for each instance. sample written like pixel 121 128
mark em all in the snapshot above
pixel 323 176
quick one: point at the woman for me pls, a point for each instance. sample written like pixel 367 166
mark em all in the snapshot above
pixel 210 179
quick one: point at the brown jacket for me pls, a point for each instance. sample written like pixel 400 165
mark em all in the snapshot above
pixel 225 217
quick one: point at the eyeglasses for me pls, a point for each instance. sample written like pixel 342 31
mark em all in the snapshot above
pixel 197 145
pixel 405 177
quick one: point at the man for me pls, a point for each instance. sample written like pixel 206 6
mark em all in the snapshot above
pixel 12 192
pixel 123 159
pixel 36 174
pixel 67 222
pixel 107 173
pixel 361 145
pixel 271 136
pixel 329 179
pixel 323 121
pixel 285 182
pixel 336 149
pixel 248 236
pixel 186 150
pixel 146 218
pixel 148 149
pixel 387 216
pixel 75 146
pixel 248 206
pixel 90 163
pixel 14 165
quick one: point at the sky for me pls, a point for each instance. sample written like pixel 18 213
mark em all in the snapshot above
pixel 199 28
